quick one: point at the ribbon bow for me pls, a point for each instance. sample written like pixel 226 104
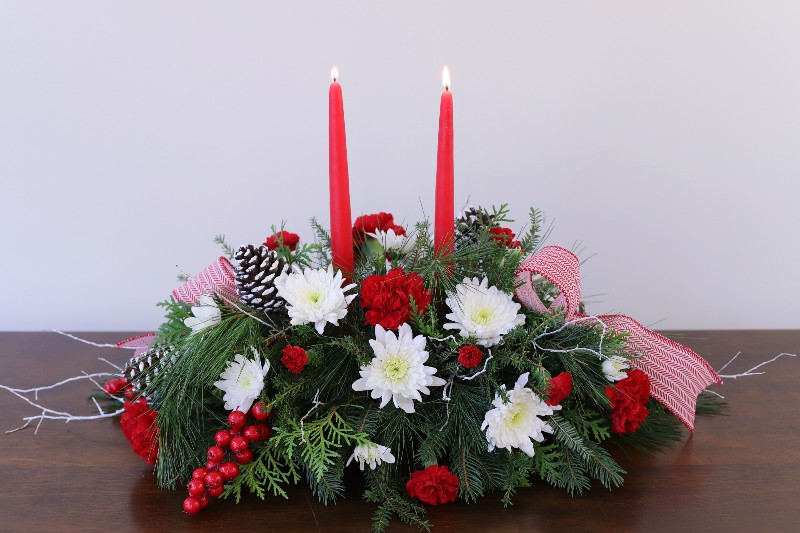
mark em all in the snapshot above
pixel 217 278
pixel 677 374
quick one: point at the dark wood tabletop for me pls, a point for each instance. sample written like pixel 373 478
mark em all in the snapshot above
pixel 739 472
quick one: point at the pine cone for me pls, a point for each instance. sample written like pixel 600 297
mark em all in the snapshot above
pixel 473 221
pixel 140 370
pixel 255 277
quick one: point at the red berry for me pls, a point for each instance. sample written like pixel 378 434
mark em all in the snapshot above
pixel 196 487
pixel 222 438
pixel 252 433
pixel 216 454
pixel 215 491
pixel 238 443
pixel 260 411
pixel 265 431
pixel 113 386
pixel 203 500
pixel 130 394
pixel 191 505
pixel 213 479
pixel 199 473
pixel 244 456
pixel 229 470
pixel 211 465
pixel 237 420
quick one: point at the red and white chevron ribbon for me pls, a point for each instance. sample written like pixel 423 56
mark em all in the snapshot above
pixel 677 374
pixel 141 343
pixel 217 278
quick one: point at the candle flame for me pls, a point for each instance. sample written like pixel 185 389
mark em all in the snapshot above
pixel 334 73
pixel 446 78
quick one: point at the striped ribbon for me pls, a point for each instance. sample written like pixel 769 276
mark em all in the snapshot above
pixel 677 374
pixel 141 343
pixel 217 278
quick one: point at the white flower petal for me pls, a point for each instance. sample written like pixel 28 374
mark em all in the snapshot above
pixel 314 296
pixel 483 312
pixel 397 372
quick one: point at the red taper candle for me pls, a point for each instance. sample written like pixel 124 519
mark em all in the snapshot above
pixel 341 222
pixel 444 225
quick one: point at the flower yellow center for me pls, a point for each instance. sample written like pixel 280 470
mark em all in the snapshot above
pixel 315 298
pixel 482 316
pixel 396 368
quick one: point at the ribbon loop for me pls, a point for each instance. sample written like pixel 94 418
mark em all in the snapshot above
pixel 217 278
pixel 677 374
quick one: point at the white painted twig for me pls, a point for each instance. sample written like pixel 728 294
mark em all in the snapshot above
pixel 90 343
pixel 316 403
pixel 598 352
pixel 752 372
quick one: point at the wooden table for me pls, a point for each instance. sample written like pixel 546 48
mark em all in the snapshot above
pixel 736 473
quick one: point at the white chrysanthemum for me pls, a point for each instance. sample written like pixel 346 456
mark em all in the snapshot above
pixel 372 455
pixel 206 314
pixel 615 368
pixel 515 420
pixel 398 372
pixel 483 312
pixel 315 296
pixel 242 381
pixel 392 241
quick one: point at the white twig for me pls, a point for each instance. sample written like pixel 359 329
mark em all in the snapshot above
pixel 752 372
pixel 232 303
pixel 316 403
pixel 729 362
pixel 714 393
pixel 52 414
pixel 485 364
pixel 448 338
pixel 103 359
pixel 90 343
pixel 598 352
pixel 446 397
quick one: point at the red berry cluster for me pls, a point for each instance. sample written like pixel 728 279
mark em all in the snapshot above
pixel 210 481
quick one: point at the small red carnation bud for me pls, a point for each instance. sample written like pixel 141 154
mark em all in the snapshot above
pixel 295 358
pixel 288 239
pixel 470 356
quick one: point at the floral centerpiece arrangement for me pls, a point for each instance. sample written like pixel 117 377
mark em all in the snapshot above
pixel 440 377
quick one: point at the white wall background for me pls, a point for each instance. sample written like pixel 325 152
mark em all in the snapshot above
pixel 663 135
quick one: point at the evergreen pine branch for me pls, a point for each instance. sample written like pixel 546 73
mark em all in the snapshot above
pixel 597 462
pixel 271 470
pixel 382 489
pixel 227 249
pixel 710 404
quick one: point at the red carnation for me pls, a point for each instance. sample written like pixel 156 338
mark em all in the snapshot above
pixel 470 356
pixel 560 387
pixel 434 485
pixel 295 358
pixel 288 238
pixel 388 298
pixel 139 427
pixel 374 223
pixel 505 236
pixel 627 400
